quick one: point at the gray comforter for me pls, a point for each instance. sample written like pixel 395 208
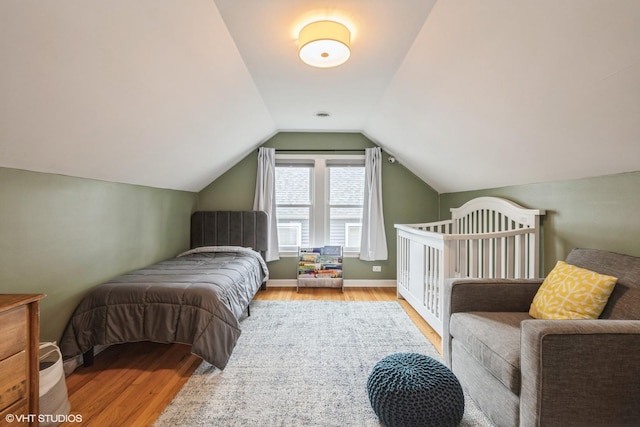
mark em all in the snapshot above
pixel 196 298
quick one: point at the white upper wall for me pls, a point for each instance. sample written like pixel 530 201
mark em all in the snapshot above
pixel 497 93
pixel 467 94
pixel 149 92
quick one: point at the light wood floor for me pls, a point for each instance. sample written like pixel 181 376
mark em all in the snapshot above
pixel 131 384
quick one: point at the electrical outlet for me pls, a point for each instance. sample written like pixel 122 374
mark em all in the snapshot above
pixel 377 268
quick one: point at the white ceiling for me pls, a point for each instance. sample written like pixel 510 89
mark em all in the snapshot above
pixel 467 94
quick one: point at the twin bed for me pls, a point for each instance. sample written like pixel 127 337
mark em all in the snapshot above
pixel 196 298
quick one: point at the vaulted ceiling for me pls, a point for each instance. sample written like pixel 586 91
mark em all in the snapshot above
pixel 467 94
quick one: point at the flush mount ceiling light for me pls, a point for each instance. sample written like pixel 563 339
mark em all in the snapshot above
pixel 324 44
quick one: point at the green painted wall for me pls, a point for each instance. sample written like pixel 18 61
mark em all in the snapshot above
pixel 406 198
pixel 61 236
pixel 601 212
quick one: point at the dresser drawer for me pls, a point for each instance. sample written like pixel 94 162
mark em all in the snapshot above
pixel 13 379
pixel 13 331
pixel 19 408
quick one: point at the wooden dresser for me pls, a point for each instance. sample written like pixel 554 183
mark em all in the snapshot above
pixel 19 343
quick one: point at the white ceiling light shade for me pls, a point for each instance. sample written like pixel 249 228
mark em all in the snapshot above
pixel 324 44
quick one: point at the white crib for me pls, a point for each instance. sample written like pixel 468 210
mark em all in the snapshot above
pixel 487 237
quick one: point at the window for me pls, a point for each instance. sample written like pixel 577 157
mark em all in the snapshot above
pixel 319 201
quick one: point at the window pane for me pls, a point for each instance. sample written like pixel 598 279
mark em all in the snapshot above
pixel 292 221
pixel 346 194
pixel 290 234
pixel 346 185
pixel 293 188
pixel 345 226
pixel 353 234
pixel 293 185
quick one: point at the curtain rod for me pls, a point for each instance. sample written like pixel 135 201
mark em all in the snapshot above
pixel 331 150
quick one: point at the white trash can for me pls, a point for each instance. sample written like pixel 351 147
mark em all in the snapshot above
pixel 54 399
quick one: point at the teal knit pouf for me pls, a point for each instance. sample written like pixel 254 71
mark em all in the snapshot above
pixel 411 390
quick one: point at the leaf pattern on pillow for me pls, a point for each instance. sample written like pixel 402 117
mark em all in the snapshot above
pixel 571 292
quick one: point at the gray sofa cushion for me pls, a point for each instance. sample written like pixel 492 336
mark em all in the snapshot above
pixel 624 302
pixel 493 339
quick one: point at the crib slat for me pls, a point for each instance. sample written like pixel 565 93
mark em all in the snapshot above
pixel 521 256
pixel 473 258
pixel 485 220
pixel 510 256
pixel 429 280
pixel 463 269
pixel 434 301
pixel 499 270
pixel 532 265
pixel 485 258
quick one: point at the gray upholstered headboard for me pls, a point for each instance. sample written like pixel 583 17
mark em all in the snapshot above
pixel 230 228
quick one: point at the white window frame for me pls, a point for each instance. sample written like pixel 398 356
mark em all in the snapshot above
pixel 319 216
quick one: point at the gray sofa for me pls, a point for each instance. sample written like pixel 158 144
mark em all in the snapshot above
pixel 528 372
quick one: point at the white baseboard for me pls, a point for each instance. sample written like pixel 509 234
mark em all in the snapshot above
pixel 365 283
pixel 348 283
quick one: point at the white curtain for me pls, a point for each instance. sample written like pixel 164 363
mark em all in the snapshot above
pixel 265 198
pixel 373 245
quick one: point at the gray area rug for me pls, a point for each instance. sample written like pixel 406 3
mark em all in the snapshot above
pixel 302 363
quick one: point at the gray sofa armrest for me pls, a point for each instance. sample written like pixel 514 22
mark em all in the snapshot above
pixel 490 294
pixel 463 295
pixel 580 372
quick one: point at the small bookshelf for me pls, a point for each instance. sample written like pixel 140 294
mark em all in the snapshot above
pixel 320 267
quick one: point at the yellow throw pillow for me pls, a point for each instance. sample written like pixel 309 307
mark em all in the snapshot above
pixel 571 292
